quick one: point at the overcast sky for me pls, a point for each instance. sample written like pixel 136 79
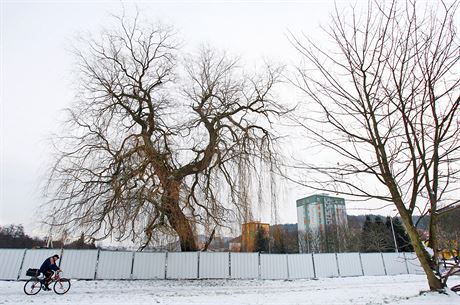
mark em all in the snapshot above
pixel 36 68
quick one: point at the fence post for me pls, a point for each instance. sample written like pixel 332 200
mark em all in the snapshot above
pixel 361 263
pixel 22 263
pixel 60 256
pixel 259 275
pixel 97 263
pixel 166 264
pixel 132 266
pixel 198 264
pixel 314 267
pixel 405 262
pixel 287 266
pixel 229 265
pixel 337 262
pixel 383 262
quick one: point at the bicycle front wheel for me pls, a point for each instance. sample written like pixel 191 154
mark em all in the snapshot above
pixel 32 287
pixel 61 286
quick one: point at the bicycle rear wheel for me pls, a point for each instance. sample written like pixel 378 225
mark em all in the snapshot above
pixel 61 286
pixel 456 289
pixel 32 286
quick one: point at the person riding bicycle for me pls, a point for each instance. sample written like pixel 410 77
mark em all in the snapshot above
pixel 48 267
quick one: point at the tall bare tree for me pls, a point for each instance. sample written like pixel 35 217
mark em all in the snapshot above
pixel 155 143
pixel 386 104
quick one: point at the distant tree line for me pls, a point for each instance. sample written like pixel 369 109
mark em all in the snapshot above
pixel 365 233
pixel 284 238
pixel 380 236
pixel 13 236
pixel 374 233
pixel 81 243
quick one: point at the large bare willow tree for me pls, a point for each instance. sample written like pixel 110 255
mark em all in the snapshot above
pixel 158 141
pixel 386 104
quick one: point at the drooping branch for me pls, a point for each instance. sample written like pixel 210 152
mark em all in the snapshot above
pixel 153 145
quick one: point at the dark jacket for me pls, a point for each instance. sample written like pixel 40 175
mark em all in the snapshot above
pixel 48 266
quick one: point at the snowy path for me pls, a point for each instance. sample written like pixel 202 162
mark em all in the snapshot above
pixel 390 290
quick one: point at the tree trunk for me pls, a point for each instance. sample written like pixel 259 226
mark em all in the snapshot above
pixel 177 219
pixel 428 264
pixel 434 282
pixel 433 242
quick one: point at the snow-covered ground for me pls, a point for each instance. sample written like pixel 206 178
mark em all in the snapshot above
pixel 401 290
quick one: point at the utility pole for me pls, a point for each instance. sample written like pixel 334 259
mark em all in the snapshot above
pixel 393 231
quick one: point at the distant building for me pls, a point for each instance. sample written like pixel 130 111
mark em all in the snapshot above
pixel 234 247
pixel 321 219
pixel 255 236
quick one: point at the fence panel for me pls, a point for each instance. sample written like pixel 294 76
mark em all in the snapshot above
pixel 395 263
pixel 114 265
pixel 149 265
pixel 372 264
pixel 325 265
pixel 182 265
pixel 79 264
pixel 300 266
pixel 35 258
pixel 273 266
pixel 244 265
pixel 10 263
pixel 413 264
pixel 349 264
pixel 214 265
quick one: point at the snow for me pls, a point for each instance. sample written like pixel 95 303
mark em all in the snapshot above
pixel 391 290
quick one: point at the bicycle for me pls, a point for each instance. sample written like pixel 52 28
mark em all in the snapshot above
pixel 36 283
pixel 447 269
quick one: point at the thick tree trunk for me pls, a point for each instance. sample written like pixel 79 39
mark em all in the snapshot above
pixel 433 241
pixel 428 264
pixel 177 219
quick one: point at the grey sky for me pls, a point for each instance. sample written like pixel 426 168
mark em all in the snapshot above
pixel 36 65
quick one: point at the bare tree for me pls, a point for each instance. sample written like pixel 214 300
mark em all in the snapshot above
pixel 155 143
pixel 351 240
pixel 279 237
pixel 328 239
pixel 449 233
pixel 386 99
pixel 312 241
pixel 375 236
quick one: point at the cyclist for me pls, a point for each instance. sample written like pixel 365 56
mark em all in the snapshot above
pixel 48 267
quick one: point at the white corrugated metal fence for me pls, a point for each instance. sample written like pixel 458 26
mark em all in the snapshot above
pixel 104 265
